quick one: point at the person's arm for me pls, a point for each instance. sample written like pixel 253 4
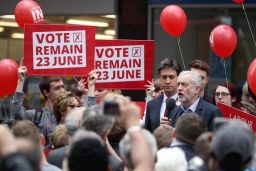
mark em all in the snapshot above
pixel 149 91
pixel 92 78
pixel 111 151
pixel 17 108
pixel 141 155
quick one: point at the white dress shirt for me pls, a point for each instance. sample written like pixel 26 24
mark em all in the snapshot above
pixel 163 106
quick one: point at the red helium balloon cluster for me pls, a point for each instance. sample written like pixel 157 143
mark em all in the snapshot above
pixel 173 20
pixel 8 76
pixel 223 40
pixel 28 12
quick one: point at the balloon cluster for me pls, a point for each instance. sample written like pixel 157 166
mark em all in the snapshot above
pixel 8 76
pixel 222 39
pixel 28 12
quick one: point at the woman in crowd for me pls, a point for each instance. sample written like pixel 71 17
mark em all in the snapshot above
pixel 228 94
pixel 64 102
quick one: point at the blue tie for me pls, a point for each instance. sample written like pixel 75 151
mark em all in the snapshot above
pixel 187 111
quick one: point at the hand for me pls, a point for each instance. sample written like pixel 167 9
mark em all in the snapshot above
pixel 93 76
pixel 149 89
pixel 165 121
pixel 22 73
pixel 81 84
pixel 130 113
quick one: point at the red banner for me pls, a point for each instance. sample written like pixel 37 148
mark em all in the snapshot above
pixel 59 49
pixel 123 64
pixel 233 113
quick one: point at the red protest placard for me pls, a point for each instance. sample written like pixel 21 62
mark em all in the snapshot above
pixel 123 64
pixel 233 113
pixel 59 49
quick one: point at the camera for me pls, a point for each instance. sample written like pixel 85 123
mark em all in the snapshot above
pixel 111 108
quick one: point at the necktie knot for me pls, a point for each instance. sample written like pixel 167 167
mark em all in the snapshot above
pixel 188 111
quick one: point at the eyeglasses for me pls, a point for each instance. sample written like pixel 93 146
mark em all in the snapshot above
pixel 73 106
pixel 223 94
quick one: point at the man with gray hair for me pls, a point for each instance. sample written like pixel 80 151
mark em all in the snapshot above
pixel 189 86
pixel 94 120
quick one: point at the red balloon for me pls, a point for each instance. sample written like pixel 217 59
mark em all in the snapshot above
pixel 238 1
pixel 223 40
pixel 8 76
pixel 28 12
pixel 173 20
pixel 251 76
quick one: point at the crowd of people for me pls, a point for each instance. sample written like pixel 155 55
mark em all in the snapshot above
pixel 101 130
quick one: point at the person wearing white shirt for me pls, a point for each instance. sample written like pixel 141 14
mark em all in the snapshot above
pixel 168 70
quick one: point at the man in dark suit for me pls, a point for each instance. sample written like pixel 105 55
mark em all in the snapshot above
pixel 189 86
pixel 168 70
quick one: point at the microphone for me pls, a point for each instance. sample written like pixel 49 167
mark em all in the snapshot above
pixel 170 105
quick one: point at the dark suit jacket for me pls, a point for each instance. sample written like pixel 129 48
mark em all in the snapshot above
pixel 152 119
pixel 188 150
pixel 206 110
pixel 56 156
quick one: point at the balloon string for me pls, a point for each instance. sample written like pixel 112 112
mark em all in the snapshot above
pixel 248 24
pixel 224 64
pixel 178 41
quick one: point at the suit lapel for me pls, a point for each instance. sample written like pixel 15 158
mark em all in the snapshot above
pixel 199 107
pixel 175 114
pixel 158 107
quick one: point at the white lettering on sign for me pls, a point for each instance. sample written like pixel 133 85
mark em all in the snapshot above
pixel 59 49
pixel 120 63
pixel 37 15
pixel 237 117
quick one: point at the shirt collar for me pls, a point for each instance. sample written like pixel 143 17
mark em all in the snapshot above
pixel 177 143
pixel 192 107
pixel 175 97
